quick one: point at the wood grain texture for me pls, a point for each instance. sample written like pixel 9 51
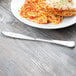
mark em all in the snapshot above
pixel 28 58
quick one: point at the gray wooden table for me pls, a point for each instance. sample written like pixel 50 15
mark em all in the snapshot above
pixel 28 58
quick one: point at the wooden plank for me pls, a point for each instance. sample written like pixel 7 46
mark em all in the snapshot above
pixel 28 58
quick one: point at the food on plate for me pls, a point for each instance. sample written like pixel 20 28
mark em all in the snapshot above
pixel 47 11
pixel 34 13
pixel 69 12
pixel 55 19
pixel 60 4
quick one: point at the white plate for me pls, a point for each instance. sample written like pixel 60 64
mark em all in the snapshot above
pixel 16 5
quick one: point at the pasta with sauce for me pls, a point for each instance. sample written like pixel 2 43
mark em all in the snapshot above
pixel 40 12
